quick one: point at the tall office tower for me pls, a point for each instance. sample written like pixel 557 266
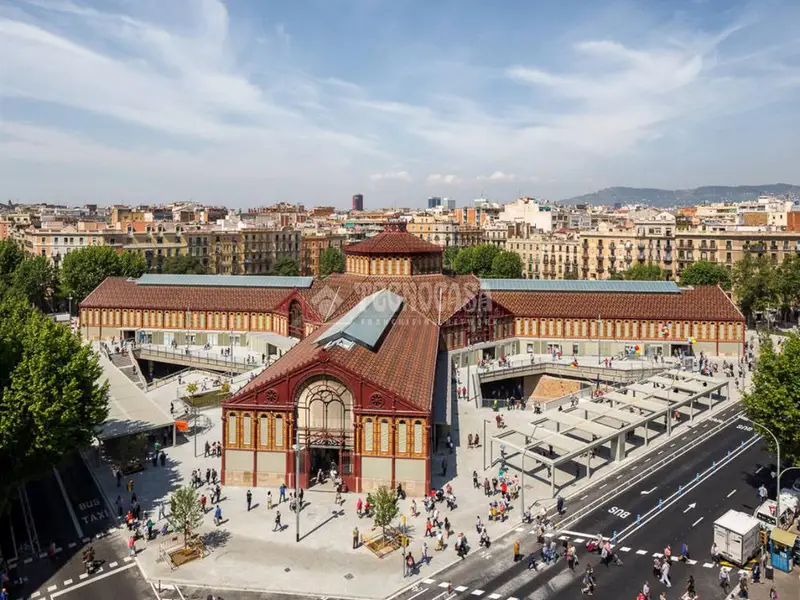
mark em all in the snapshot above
pixel 358 202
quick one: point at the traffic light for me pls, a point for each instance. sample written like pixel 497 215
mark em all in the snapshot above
pixel 763 537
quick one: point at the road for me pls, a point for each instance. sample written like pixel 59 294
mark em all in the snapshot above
pixel 706 492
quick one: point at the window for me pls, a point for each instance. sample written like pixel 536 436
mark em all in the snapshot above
pixel 278 431
pixel 418 437
pixel 263 430
pixel 232 429
pixel 247 430
pixel 384 436
pixel 402 437
pixel 369 435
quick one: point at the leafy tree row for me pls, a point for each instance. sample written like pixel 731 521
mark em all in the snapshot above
pixel 484 260
pixel 51 401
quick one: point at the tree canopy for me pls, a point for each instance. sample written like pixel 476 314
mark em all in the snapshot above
pixel 754 284
pixel 10 257
pixel 449 257
pixel 84 269
pixel 384 500
pixel 36 279
pixel 506 265
pixel 183 265
pixel 185 513
pixel 51 401
pixel 774 397
pixel 331 260
pixel 286 267
pixel 642 272
pixel 704 272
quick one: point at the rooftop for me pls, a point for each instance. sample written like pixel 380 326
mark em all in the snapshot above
pixel 367 322
pixel 593 286
pixel 393 241
pixel 226 281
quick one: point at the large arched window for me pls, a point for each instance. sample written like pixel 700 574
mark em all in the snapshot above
pixel 232 423
pixel 325 404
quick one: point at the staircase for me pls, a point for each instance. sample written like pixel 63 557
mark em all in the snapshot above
pixel 127 364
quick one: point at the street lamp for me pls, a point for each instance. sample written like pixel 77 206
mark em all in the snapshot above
pixel 485 441
pixel 297 505
pixel 522 484
pixel 778 447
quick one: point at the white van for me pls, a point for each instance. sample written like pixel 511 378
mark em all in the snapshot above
pixel 766 514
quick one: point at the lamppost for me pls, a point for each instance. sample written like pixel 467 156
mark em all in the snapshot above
pixel 485 441
pixel 297 478
pixel 522 484
pixel 599 327
pixel 778 470
pixel 70 304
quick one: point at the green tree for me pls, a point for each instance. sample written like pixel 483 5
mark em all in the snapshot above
pixel 449 257
pixel 386 508
pixel 787 284
pixel 286 267
pixel 465 261
pixel 704 272
pixel 51 397
pixel 132 264
pixel 572 274
pixel 183 265
pixel 484 258
pixel 185 513
pixel 36 279
pixel 754 285
pixel 331 260
pixel 191 389
pixel 774 396
pixel 10 256
pixel 84 269
pixel 643 272
pixel 507 265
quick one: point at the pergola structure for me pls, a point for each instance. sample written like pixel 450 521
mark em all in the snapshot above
pixel 558 437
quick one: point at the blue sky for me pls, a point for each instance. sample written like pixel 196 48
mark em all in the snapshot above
pixel 248 102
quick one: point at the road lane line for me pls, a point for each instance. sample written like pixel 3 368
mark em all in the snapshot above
pixel 36 594
pixel 477 592
pixel 602 486
pixel 419 593
pixel 641 552
pixel 758 470
pixel 708 565
pixel 52 588
pixel 461 588
pixel 584 497
pixel 731 494
pixel 691 562
pixel 83 576
pixel 127 559
pixel 68 582
pixel 440 595
pixel 625 549
pixel 696 522
pixel 71 545
pixel 494 596
pixel 72 514
pixel 113 564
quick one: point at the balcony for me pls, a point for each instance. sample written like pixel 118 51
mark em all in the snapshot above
pixel 756 247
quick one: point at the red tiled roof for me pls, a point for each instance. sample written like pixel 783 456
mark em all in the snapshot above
pixel 393 242
pixel 120 292
pixel 400 366
pixel 699 303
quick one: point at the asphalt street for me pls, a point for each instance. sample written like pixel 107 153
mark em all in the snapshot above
pixel 493 574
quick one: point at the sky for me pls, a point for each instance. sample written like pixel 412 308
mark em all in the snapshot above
pixel 250 102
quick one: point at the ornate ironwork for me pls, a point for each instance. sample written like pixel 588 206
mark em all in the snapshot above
pixel 376 400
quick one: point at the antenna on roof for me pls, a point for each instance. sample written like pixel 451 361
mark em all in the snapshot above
pixel 439 318
pixel 330 308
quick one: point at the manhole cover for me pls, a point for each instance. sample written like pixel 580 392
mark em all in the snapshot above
pixel 286 569
pixel 349 576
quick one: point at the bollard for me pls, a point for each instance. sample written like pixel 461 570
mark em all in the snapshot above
pixel 638 519
pixel 659 504
pixel 697 477
pixel 729 453
pixel 714 464
pixel 742 444
pixel 614 538
pixel 680 490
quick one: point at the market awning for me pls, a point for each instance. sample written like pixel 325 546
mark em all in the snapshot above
pixel 783 537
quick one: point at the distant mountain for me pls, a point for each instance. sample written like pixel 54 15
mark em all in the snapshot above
pixel 702 195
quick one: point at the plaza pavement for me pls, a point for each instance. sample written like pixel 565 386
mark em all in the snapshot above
pixel 246 554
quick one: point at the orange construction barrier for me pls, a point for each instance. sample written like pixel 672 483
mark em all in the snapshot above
pixel 182 426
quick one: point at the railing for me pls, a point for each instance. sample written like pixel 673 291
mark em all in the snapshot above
pixel 605 373
pixel 157 383
pixel 227 364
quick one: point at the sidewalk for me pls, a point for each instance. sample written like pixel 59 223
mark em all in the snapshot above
pixel 245 552
pixel 786 584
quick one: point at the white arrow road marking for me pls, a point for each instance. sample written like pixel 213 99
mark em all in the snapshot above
pixel 731 494
pixel 648 491
pixel 690 507
pixel 696 522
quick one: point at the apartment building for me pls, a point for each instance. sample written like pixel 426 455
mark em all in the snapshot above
pixel 546 255
pixel 445 231
pixel 314 244
pixel 59 241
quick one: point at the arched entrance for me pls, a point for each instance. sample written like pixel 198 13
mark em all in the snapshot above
pixel 296 327
pixel 326 431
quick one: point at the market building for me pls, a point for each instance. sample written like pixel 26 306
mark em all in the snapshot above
pixel 365 389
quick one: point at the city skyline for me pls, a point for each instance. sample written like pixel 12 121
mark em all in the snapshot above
pixel 236 104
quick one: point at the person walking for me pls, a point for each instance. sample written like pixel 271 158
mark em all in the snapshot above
pixel 762 493
pixel 665 574
pixel 217 516
pixel 724 580
pixel 249 496
pixel 773 595
pixel 425 557
pixel 203 501
pixel 269 499
pixel 278 526
pixel 714 554
pixel 355 538
pixel 516 551
pixel 282 493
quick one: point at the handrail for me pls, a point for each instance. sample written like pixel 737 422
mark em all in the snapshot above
pixel 604 372
pixel 158 352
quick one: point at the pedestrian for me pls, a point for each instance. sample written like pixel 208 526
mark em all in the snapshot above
pixel 516 551
pixel 249 499
pixel 208 476
pixel 355 538
pixel 300 498
pixel 773 595
pixel 714 554
pixel 278 526
pixel 560 505
pixel 684 552
pixel 724 580
pixel 269 499
pixel 118 475
pixel 207 449
pixel 282 494
pixel 132 545
pixel 163 458
pixel 588 581
pixel 118 502
pixel 203 501
pixel 665 574
pixel 424 557
pixel 214 476
pixel 756 573
pixel 218 516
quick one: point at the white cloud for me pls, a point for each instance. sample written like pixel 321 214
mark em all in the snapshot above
pixel 391 176
pixel 498 176
pixel 449 179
